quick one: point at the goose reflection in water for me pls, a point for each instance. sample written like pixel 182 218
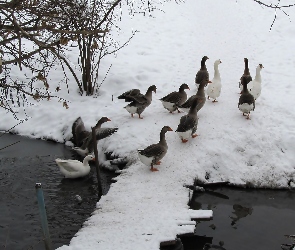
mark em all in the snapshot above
pixel 240 212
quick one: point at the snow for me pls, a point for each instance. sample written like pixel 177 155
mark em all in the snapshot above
pixel 144 208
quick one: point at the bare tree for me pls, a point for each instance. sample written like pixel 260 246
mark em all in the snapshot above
pixel 35 36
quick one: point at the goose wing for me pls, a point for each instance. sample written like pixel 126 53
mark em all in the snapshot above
pixel 152 150
pixel 186 123
pixel 174 97
pixel 246 98
pixel 128 94
pixel 79 132
pixel 140 99
pixel 69 165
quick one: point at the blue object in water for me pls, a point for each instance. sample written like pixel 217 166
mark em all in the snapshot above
pixel 44 222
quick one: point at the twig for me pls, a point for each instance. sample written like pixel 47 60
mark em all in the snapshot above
pixel 9 145
pixel 272 6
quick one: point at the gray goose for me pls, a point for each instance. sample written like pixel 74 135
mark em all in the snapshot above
pixel 85 146
pixel 246 101
pixel 200 97
pixel 246 74
pixel 188 123
pixel 152 155
pixel 202 75
pixel 172 101
pixel 138 102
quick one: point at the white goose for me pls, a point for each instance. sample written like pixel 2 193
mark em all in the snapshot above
pixel 75 168
pixel 214 88
pixel 255 85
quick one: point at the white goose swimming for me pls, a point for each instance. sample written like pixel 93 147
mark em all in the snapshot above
pixel 74 168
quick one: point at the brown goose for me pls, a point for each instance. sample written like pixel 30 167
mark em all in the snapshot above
pixel 200 97
pixel 172 101
pixel 188 123
pixel 202 75
pixel 246 100
pixel 246 74
pixel 85 146
pixel 152 155
pixel 139 102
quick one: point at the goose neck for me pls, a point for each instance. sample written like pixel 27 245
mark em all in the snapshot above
pixel 246 71
pixel 201 91
pixel 258 75
pixel 216 72
pixel 162 138
pixel 245 89
pixel 149 94
pixel 86 160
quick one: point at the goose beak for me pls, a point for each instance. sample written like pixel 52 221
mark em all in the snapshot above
pixel 109 120
pixel 170 129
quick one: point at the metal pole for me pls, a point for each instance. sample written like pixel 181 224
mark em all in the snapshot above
pixel 96 162
pixel 44 222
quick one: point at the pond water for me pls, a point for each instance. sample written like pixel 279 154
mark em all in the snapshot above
pixel 243 219
pixel 23 165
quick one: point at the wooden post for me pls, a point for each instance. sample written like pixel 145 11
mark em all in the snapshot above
pixel 44 222
pixel 94 141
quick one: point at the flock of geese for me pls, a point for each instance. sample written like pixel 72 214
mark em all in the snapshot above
pixel 175 101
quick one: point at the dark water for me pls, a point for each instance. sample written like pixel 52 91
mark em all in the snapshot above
pixel 244 219
pixel 21 167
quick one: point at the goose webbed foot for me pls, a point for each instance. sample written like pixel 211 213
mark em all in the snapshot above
pixel 184 140
pixel 158 163
pixel 153 169
pixel 140 116
pixel 194 135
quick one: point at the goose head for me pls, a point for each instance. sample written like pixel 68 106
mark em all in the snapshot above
pixel 104 119
pixel 101 121
pixel 166 129
pixel 88 158
pixel 183 87
pixel 152 88
pixel 205 58
pixel 217 62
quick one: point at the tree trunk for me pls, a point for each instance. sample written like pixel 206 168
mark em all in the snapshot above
pixel 86 64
